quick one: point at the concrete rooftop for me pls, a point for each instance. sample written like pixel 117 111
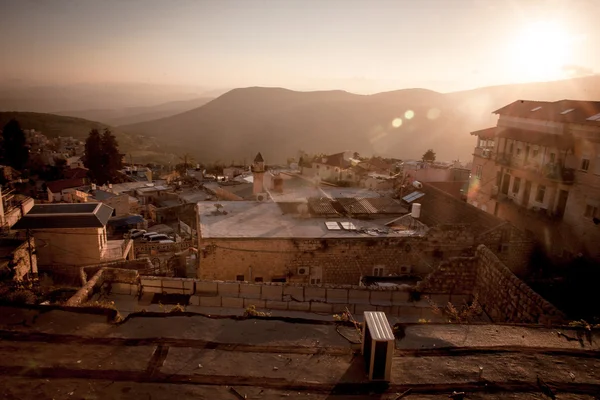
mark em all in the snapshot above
pixel 67 355
pixel 251 219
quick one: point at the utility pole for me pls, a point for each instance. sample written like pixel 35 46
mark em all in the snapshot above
pixel 30 251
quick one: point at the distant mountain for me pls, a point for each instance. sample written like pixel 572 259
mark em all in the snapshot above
pixel 132 115
pixel 19 96
pixel 403 123
pixel 141 148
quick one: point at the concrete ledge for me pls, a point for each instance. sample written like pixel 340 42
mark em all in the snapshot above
pixel 293 292
pixel 258 303
pixel 195 300
pixel 152 289
pixel 357 296
pixel 272 292
pixel 359 309
pixel 123 288
pixel 314 294
pixel 228 289
pixel 337 296
pixel 206 288
pixel 299 306
pixel 381 298
pixel 400 297
pixel 250 291
pixel 276 305
pixel 232 302
pixel 212 301
pixel 321 307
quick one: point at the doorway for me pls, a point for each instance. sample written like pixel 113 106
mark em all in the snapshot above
pixel 505 184
pixel 563 195
pixel 526 194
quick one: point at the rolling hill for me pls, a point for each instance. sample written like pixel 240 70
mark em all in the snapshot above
pixel 278 122
pixel 141 148
pixel 132 115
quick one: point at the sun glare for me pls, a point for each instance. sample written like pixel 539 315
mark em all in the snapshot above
pixel 541 50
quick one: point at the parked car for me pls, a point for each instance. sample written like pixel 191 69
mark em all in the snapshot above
pixel 147 235
pixel 134 234
pixel 158 238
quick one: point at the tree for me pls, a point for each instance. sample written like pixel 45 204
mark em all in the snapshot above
pixel 429 156
pixel 14 145
pixel 102 157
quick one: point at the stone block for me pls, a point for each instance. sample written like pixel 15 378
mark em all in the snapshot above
pixel 357 296
pixel 194 300
pixel 169 290
pixel 294 293
pixel 386 309
pixel 152 289
pixel 337 296
pixel 459 299
pixel 228 289
pixel 400 297
pixel 359 309
pixel 172 283
pixel 440 299
pixel 272 292
pixel 410 312
pixel 314 294
pixel 258 303
pixel 340 308
pixel 210 301
pixel 149 282
pixel 298 306
pixel 232 302
pixel 188 287
pixel 205 288
pixel 248 291
pixel 381 298
pixel 122 288
pixel 321 307
pixel 276 305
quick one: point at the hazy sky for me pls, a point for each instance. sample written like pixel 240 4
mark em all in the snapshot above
pixel 360 46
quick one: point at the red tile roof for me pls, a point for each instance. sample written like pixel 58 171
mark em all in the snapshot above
pixel 579 112
pixel 62 184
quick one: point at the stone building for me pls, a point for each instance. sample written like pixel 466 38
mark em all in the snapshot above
pixel 539 168
pixel 18 259
pixel 69 235
pixel 290 242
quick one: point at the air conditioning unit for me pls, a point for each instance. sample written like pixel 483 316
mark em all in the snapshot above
pixel 261 197
pixel 303 271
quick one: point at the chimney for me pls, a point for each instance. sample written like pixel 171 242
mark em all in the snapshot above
pixel 258 174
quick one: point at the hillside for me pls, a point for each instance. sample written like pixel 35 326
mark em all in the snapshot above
pixel 141 148
pixel 132 115
pixel 279 122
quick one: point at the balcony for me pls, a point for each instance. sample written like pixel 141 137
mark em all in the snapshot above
pixel 552 171
pixel 483 152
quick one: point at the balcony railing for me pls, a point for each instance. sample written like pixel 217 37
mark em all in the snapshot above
pixel 551 170
pixel 483 152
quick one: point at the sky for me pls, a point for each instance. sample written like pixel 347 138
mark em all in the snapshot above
pixel 353 45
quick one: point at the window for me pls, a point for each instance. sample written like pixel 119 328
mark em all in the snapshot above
pixel 535 152
pixel 478 171
pixel 512 147
pixel 378 271
pixel 585 164
pixel 516 185
pixel 518 152
pixel 315 281
pixel 590 211
pixel 552 157
pixel 239 278
pixel 258 279
pixel 281 279
pixel 541 192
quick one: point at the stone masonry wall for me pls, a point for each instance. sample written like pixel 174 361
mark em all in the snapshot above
pixel 505 298
pixel 454 276
pixel 334 261
pixel 395 301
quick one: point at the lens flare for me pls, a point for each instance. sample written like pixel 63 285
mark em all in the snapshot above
pixel 397 122
pixel 434 113
pixel 409 114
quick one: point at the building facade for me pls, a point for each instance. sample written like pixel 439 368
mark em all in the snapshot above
pixel 539 168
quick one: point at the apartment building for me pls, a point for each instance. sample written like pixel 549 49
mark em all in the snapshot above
pixel 539 168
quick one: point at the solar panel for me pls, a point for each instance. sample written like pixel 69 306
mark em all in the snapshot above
pixel 567 111
pixel 537 108
pixel 409 198
pixel 349 226
pixel 332 226
pixel 594 117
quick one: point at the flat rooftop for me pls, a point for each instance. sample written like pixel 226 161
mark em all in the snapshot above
pixel 252 219
pixel 61 354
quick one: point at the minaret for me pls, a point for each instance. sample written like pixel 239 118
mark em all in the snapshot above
pixel 258 173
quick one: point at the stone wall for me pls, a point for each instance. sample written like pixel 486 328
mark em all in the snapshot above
pixel 395 301
pixel 454 276
pixel 505 298
pixel 122 281
pixel 16 264
pixel 331 261
pixel 512 246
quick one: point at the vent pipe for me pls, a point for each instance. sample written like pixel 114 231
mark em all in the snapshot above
pixel 416 210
